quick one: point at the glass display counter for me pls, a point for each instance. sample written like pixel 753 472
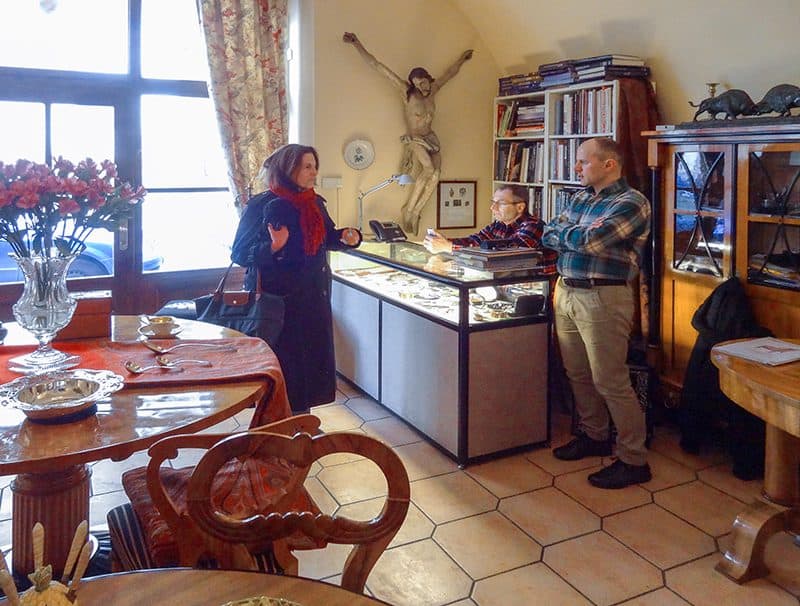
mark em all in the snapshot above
pixel 461 354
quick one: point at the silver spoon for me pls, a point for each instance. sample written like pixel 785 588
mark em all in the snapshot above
pixel 168 362
pixel 137 369
pixel 164 350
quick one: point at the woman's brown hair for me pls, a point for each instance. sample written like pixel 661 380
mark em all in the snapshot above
pixel 283 163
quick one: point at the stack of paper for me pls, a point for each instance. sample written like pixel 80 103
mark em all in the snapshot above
pixel 766 350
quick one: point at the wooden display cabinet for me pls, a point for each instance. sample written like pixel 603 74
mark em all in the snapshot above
pixel 726 203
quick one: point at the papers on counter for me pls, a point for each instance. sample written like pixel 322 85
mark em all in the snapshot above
pixel 766 350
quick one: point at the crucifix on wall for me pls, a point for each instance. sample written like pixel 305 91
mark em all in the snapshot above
pixel 421 149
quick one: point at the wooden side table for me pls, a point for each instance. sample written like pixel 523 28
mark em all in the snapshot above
pixel 773 394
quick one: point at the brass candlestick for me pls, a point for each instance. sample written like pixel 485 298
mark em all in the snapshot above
pixel 712 88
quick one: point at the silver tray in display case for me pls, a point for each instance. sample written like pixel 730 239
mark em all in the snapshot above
pixel 55 395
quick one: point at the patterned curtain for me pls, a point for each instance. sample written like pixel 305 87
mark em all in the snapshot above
pixel 246 42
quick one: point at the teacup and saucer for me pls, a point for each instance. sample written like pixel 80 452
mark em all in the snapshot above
pixel 159 327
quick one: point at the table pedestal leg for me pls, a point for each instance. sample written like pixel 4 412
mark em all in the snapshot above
pixel 744 559
pixel 60 501
pixel 782 458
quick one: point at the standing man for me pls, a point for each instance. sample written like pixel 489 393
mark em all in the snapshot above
pixel 512 221
pixel 600 236
pixel 421 143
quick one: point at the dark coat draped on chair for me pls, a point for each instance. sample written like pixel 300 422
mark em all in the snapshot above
pixel 723 316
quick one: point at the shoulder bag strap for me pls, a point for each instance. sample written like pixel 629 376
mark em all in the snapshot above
pixel 220 290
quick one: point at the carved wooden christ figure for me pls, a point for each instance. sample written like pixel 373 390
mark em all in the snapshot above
pixel 421 153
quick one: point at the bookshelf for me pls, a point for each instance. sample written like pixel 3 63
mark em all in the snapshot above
pixel 536 136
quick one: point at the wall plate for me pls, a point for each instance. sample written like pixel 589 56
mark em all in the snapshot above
pixel 359 154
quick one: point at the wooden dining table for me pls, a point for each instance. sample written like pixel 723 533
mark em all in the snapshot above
pixel 188 587
pixel 51 460
pixel 773 394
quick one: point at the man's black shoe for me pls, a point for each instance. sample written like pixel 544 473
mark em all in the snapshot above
pixel 620 474
pixel 582 446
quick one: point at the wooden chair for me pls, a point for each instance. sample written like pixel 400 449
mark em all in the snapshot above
pixel 243 537
pixel 151 531
pixel 217 523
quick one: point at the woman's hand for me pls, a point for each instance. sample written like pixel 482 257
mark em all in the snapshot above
pixel 350 236
pixel 278 235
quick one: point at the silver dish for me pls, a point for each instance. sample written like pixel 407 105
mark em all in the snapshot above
pixel 56 394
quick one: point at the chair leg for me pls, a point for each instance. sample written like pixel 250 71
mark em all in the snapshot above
pixel 284 557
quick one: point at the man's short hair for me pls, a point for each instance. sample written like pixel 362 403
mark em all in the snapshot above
pixel 518 192
pixel 607 148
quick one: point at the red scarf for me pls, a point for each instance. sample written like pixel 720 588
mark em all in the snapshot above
pixel 312 226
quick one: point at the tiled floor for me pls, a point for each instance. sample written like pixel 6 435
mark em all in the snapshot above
pixel 526 529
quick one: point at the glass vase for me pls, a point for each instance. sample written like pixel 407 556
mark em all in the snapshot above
pixel 44 308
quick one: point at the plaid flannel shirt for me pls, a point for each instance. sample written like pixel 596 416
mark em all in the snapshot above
pixel 601 234
pixel 525 232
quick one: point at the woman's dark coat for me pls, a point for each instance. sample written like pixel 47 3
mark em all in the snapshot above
pixel 305 346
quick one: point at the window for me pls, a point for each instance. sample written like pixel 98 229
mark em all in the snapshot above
pixel 128 83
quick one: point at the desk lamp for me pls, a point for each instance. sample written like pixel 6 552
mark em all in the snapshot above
pixel 402 179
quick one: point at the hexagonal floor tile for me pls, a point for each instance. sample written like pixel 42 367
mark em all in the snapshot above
pixel 602 568
pixel 337 417
pixel 701 585
pixel 367 408
pixel 487 544
pixel 415 527
pixel 422 460
pixel 701 505
pixel 643 529
pixel 510 475
pixel 353 482
pixel 534 584
pixel 450 497
pixel 602 502
pixel 392 430
pixel 549 516
pixel 418 573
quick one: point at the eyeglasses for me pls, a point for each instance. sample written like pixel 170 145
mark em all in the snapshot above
pixel 499 203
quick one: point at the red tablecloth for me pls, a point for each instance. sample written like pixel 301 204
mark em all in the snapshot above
pixel 253 360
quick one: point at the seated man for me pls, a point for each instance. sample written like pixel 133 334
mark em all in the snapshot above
pixel 512 221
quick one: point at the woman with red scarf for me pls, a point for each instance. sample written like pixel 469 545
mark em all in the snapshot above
pixel 285 232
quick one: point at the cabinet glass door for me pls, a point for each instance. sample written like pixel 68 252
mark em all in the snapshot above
pixel 773 215
pixel 699 211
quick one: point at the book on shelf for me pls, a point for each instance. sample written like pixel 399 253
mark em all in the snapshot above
pixel 610 59
pixel 519 84
pixel 556 67
pixel 766 350
pixel 612 72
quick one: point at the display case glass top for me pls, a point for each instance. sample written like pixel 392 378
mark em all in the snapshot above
pixel 413 257
pixel 435 285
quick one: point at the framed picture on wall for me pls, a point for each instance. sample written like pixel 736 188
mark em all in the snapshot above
pixel 456 204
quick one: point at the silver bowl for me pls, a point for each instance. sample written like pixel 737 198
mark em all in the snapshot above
pixel 57 394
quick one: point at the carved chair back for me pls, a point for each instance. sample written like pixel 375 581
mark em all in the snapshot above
pixel 231 526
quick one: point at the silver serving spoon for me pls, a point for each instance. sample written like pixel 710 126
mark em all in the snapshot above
pixel 137 369
pixel 164 350
pixel 168 362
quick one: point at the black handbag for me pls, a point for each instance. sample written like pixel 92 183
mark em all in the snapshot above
pixel 253 312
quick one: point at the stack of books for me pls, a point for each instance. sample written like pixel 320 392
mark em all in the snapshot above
pixel 530 120
pixel 600 67
pixel 557 74
pixel 607 67
pixel 505 259
pixel 519 84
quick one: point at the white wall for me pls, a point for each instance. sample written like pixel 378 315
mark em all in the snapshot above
pixel 354 101
pixel 746 44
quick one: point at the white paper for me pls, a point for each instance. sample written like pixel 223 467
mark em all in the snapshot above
pixel 766 350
